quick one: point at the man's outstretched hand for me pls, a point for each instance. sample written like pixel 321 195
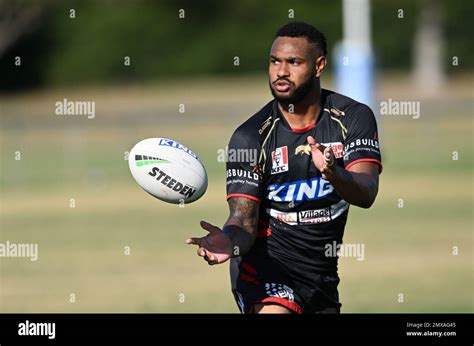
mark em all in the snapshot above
pixel 216 247
pixel 323 158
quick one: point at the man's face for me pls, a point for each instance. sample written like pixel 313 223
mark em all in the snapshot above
pixel 292 69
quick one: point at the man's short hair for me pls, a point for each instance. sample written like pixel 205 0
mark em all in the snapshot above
pixel 301 29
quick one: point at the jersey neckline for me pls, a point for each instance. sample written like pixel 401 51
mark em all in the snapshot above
pixel 307 128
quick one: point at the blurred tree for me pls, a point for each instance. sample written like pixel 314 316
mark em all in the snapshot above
pixel 18 18
pixel 92 47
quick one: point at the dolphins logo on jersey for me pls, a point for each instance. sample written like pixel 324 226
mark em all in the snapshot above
pixel 303 149
pixel 337 148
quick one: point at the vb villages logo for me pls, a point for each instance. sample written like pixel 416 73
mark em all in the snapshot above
pixel 21 250
pixel 66 107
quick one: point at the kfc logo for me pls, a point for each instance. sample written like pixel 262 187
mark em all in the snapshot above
pixel 280 160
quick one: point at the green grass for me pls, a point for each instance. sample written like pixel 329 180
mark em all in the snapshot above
pixel 81 250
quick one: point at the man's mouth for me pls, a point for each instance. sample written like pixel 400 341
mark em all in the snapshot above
pixel 282 86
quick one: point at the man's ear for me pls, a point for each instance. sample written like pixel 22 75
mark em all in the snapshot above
pixel 320 65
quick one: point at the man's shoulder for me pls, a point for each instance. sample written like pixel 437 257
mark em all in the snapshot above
pixel 344 107
pixel 341 102
pixel 254 128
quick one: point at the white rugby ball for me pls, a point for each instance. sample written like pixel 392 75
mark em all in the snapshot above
pixel 168 170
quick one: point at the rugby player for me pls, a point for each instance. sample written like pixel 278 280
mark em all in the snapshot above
pixel 318 153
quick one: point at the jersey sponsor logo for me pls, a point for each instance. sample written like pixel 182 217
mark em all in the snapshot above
pixel 241 173
pixel 308 190
pixel 337 148
pixel 315 216
pixel 170 143
pixel 241 176
pixel 288 218
pixel 279 291
pixel 280 160
pixel 367 142
pixel 171 183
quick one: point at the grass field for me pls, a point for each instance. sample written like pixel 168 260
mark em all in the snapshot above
pixel 408 250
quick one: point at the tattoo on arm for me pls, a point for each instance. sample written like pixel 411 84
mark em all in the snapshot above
pixel 242 224
pixel 243 213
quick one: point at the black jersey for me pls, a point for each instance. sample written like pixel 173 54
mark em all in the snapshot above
pixel 300 212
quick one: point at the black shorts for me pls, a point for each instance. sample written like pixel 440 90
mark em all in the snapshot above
pixel 260 279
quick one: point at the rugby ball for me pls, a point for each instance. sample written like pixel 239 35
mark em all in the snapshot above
pixel 168 170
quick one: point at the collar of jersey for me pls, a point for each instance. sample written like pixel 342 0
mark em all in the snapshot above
pixel 307 128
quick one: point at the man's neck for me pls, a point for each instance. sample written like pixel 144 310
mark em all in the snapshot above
pixel 305 112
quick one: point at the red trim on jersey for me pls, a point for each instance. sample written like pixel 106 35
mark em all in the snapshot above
pixel 249 279
pixel 249 268
pixel 262 233
pixel 303 129
pixel 253 198
pixel 280 301
pixel 366 160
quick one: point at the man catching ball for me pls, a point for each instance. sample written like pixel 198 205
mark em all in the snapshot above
pixel 317 153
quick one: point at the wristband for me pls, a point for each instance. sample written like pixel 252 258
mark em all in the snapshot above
pixel 241 240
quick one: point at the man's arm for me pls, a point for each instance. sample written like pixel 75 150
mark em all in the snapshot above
pixel 242 224
pixel 236 237
pixel 358 185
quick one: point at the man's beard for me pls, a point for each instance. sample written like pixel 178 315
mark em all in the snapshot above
pixel 298 95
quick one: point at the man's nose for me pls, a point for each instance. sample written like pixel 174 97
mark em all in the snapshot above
pixel 283 70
